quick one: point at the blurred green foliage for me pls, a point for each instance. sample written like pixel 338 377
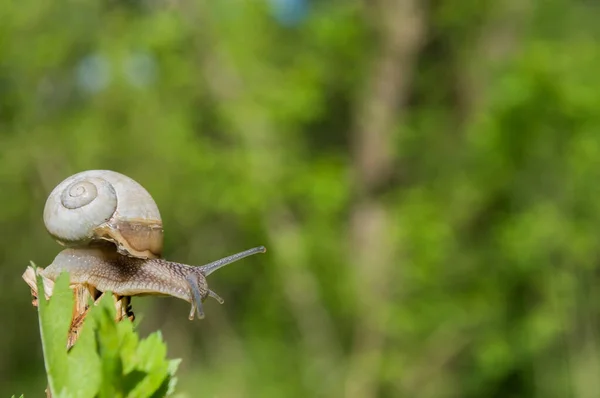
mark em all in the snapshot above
pixel 464 267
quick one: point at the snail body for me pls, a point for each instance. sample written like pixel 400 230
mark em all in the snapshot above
pixel 113 232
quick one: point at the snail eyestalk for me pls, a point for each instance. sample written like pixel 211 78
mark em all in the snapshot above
pixel 196 299
pixel 197 282
pixel 215 265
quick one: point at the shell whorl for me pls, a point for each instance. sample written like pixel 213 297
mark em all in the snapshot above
pixel 77 206
pixel 103 205
pixel 81 193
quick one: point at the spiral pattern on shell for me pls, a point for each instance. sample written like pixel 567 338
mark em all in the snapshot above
pixel 77 206
pixel 79 194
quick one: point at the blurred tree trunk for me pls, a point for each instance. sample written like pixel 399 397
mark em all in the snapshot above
pixel 498 40
pixel 400 30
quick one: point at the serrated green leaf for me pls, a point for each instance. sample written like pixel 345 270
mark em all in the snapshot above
pixel 109 359
pixel 173 366
pixel 54 320
pixel 129 345
pixel 109 344
pixel 130 367
pixel 151 360
pixel 84 363
pixel 72 374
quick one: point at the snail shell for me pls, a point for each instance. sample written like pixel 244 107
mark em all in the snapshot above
pixel 103 205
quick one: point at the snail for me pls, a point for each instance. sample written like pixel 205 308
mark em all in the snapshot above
pixel 112 232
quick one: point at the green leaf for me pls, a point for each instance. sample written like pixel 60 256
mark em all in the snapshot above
pixel 130 367
pixel 73 374
pixel 150 359
pixel 108 360
pixel 84 363
pixel 54 319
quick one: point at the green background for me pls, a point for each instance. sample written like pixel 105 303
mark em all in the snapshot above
pixel 424 176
